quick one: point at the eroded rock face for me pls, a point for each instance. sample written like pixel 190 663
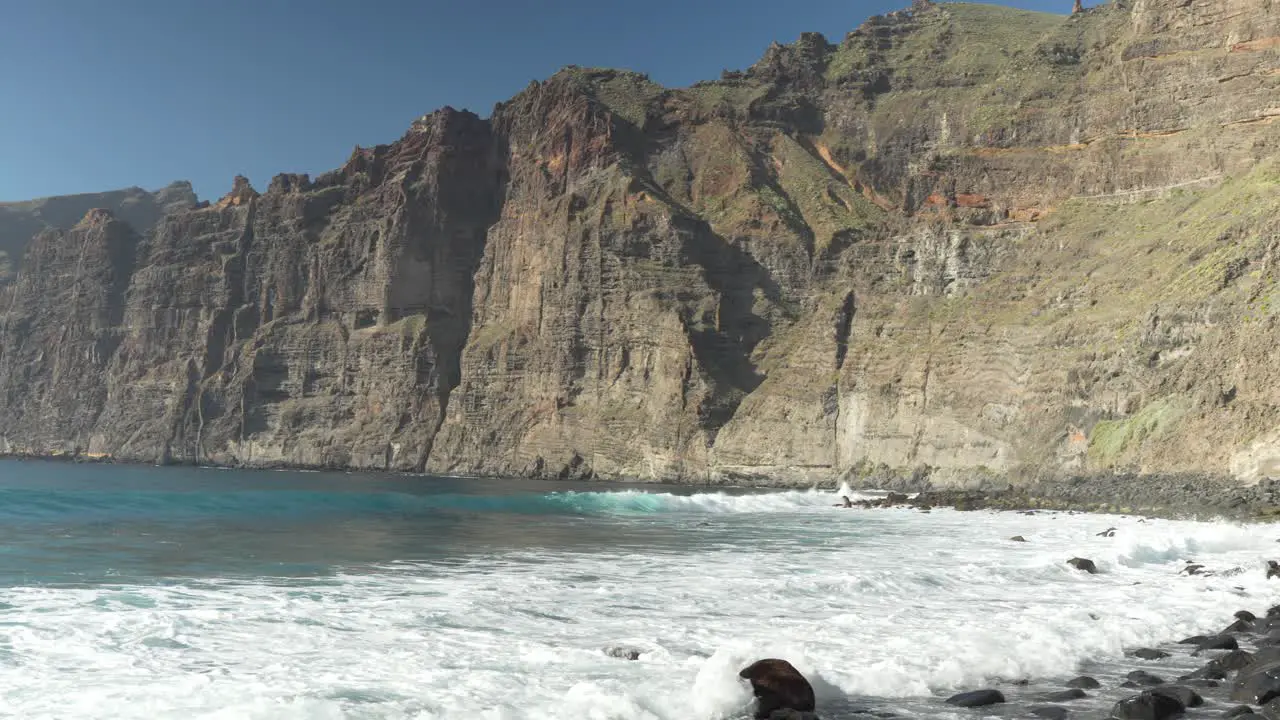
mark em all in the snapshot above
pixel 892 259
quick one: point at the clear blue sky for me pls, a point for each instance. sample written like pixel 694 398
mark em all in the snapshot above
pixel 99 94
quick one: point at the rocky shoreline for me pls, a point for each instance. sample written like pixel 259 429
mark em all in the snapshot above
pixel 1239 678
pixel 1172 497
pixel 1231 672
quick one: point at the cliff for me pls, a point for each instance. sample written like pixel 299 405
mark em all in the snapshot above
pixel 967 243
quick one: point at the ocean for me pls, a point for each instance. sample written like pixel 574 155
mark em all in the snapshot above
pixel 139 592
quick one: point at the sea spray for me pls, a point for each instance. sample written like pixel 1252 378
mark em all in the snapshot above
pixel 296 597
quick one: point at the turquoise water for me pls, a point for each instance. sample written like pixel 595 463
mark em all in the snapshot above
pixel 138 592
pixel 79 523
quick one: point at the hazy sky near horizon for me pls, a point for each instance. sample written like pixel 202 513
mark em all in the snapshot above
pixel 101 95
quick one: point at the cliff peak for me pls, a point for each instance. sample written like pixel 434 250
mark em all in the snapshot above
pixel 96 217
pixel 242 193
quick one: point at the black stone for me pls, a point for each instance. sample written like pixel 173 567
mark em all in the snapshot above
pixel 1238 710
pixel 1222 642
pixel 1084 682
pixel 1193 640
pixel 1083 565
pixel 1147 706
pixel 1148 654
pixel 1235 660
pixel 1049 712
pixel 1246 616
pixel 1142 677
pixel 1212 670
pixel 1065 696
pixel 976 698
pixel 1185 695
pixel 1236 627
pixel 1257 684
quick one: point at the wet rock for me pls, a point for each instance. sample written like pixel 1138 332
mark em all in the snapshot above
pixel 1084 682
pixel 1083 565
pixel 1185 695
pixel 1213 670
pixel 1144 678
pixel 1237 627
pixel 1237 711
pixel 622 653
pixel 792 715
pixel 1235 660
pixel 1273 569
pixel 1109 532
pixel 1065 696
pixel 1017 538
pixel 1206 684
pixel 1266 655
pixel 1147 706
pixel 777 685
pixel 1258 683
pixel 1147 654
pixel 1221 642
pixel 1192 569
pixel 1246 616
pixel 1193 640
pixel 976 698
pixel 1049 712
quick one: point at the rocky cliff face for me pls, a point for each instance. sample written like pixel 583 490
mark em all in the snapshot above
pixel 20 221
pixel 967 243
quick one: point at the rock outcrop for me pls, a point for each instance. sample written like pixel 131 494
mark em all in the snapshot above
pixel 967 245
pixel 20 221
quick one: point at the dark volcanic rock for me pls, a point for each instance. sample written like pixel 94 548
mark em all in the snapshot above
pixel 1237 627
pixel 976 698
pixel 1235 660
pixel 777 685
pixel 1065 696
pixel 1144 678
pixel 1213 670
pixel 1186 696
pixel 1084 682
pixel 1257 683
pixel 1147 654
pixel 789 714
pixel 1222 642
pixel 1049 712
pixel 1238 711
pixel 1083 565
pixel 1147 706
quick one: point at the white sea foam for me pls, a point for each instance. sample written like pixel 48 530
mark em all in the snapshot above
pixel 868 604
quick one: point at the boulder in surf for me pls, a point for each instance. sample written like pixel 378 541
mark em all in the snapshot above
pixel 1083 565
pixel 1148 706
pixel 777 685
pixel 976 698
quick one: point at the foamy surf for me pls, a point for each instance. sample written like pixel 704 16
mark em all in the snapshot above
pixel 881 609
